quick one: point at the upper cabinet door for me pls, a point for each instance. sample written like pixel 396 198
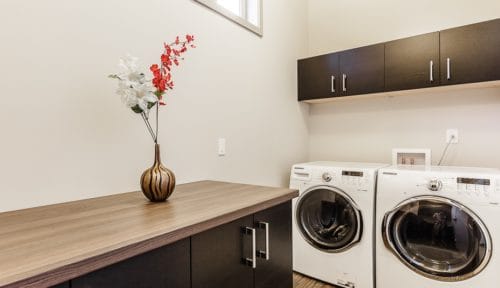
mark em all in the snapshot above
pixel 471 53
pixel 362 70
pixel 318 77
pixel 412 63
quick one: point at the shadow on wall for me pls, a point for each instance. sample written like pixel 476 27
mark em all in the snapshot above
pixel 412 101
pixel 367 128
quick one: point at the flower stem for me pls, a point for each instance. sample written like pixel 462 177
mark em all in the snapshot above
pixel 148 125
pixel 157 109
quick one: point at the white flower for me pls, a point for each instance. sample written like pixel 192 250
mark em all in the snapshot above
pixel 136 91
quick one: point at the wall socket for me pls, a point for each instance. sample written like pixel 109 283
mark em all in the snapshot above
pixel 452 136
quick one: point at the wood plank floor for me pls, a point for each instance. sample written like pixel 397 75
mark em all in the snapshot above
pixel 300 281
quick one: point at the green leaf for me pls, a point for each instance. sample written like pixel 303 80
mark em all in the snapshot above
pixel 151 105
pixel 136 109
pixel 114 76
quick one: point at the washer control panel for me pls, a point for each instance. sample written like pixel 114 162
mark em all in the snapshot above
pixel 356 178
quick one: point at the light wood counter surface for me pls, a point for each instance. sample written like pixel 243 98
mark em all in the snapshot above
pixel 47 245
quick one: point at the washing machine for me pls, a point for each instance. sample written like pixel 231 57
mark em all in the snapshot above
pixel 438 227
pixel 333 222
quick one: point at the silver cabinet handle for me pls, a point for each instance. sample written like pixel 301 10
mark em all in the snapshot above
pixel 253 260
pixel 431 72
pixel 448 72
pixel 332 89
pixel 265 254
pixel 344 77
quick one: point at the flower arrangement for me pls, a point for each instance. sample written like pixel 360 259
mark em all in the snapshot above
pixel 140 93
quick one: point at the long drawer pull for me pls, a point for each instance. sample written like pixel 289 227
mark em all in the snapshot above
pixel 448 68
pixel 253 260
pixel 265 254
pixel 431 72
pixel 344 77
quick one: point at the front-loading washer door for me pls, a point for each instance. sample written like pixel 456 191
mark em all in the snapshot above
pixel 328 219
pixel 438 238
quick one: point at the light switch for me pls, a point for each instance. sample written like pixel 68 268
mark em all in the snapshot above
pixel 222 146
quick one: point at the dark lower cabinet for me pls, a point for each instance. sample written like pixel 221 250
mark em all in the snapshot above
pixel 62 285
pixel 412 63
pixel 165 267
pixel 362 70
pixel 223 257
pixel 470 53
pixel 275 270
pixel 251 252
pixel 217 256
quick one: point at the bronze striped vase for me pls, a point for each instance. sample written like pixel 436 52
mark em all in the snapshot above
pixel 157 182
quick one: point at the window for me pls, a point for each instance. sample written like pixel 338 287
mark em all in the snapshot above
pixel 247 13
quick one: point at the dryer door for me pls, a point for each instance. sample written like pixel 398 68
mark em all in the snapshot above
pixel 438 238
pixel 328 219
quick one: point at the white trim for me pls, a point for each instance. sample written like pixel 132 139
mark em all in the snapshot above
pixel 212 4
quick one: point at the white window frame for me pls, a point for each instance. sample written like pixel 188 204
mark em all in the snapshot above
pixel 241 20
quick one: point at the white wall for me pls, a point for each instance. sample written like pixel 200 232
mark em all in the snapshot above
pixel 66 135
pixel 367 129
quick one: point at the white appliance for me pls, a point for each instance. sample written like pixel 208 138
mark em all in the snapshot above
pixel 438 227
pixel 333 221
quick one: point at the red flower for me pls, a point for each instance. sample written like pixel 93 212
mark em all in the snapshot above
pixel 162 77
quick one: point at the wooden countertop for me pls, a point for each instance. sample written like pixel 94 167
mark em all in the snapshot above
pixel 44 246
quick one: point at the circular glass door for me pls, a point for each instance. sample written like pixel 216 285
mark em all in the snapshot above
pixel 438 238
pixel 328 219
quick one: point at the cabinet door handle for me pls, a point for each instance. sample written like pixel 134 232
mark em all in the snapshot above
pixel 344 77
pixel 332 89
pixel 253 260
pixel 448 72
pixel 265 254
pixel 431 72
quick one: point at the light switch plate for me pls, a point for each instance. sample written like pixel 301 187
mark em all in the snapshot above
pixel 221 146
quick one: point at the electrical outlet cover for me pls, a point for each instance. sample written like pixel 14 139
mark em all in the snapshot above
pixel 452 136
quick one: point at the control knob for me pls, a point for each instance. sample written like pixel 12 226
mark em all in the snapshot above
pixel 327 177
pixel 435 185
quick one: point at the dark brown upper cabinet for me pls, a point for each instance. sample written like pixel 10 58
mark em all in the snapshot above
pixel 466 54
pixel 470 53
pixel 318 77
pixel 362 70
pixel 412 63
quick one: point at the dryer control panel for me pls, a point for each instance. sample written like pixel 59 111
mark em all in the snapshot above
pixel 480 189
